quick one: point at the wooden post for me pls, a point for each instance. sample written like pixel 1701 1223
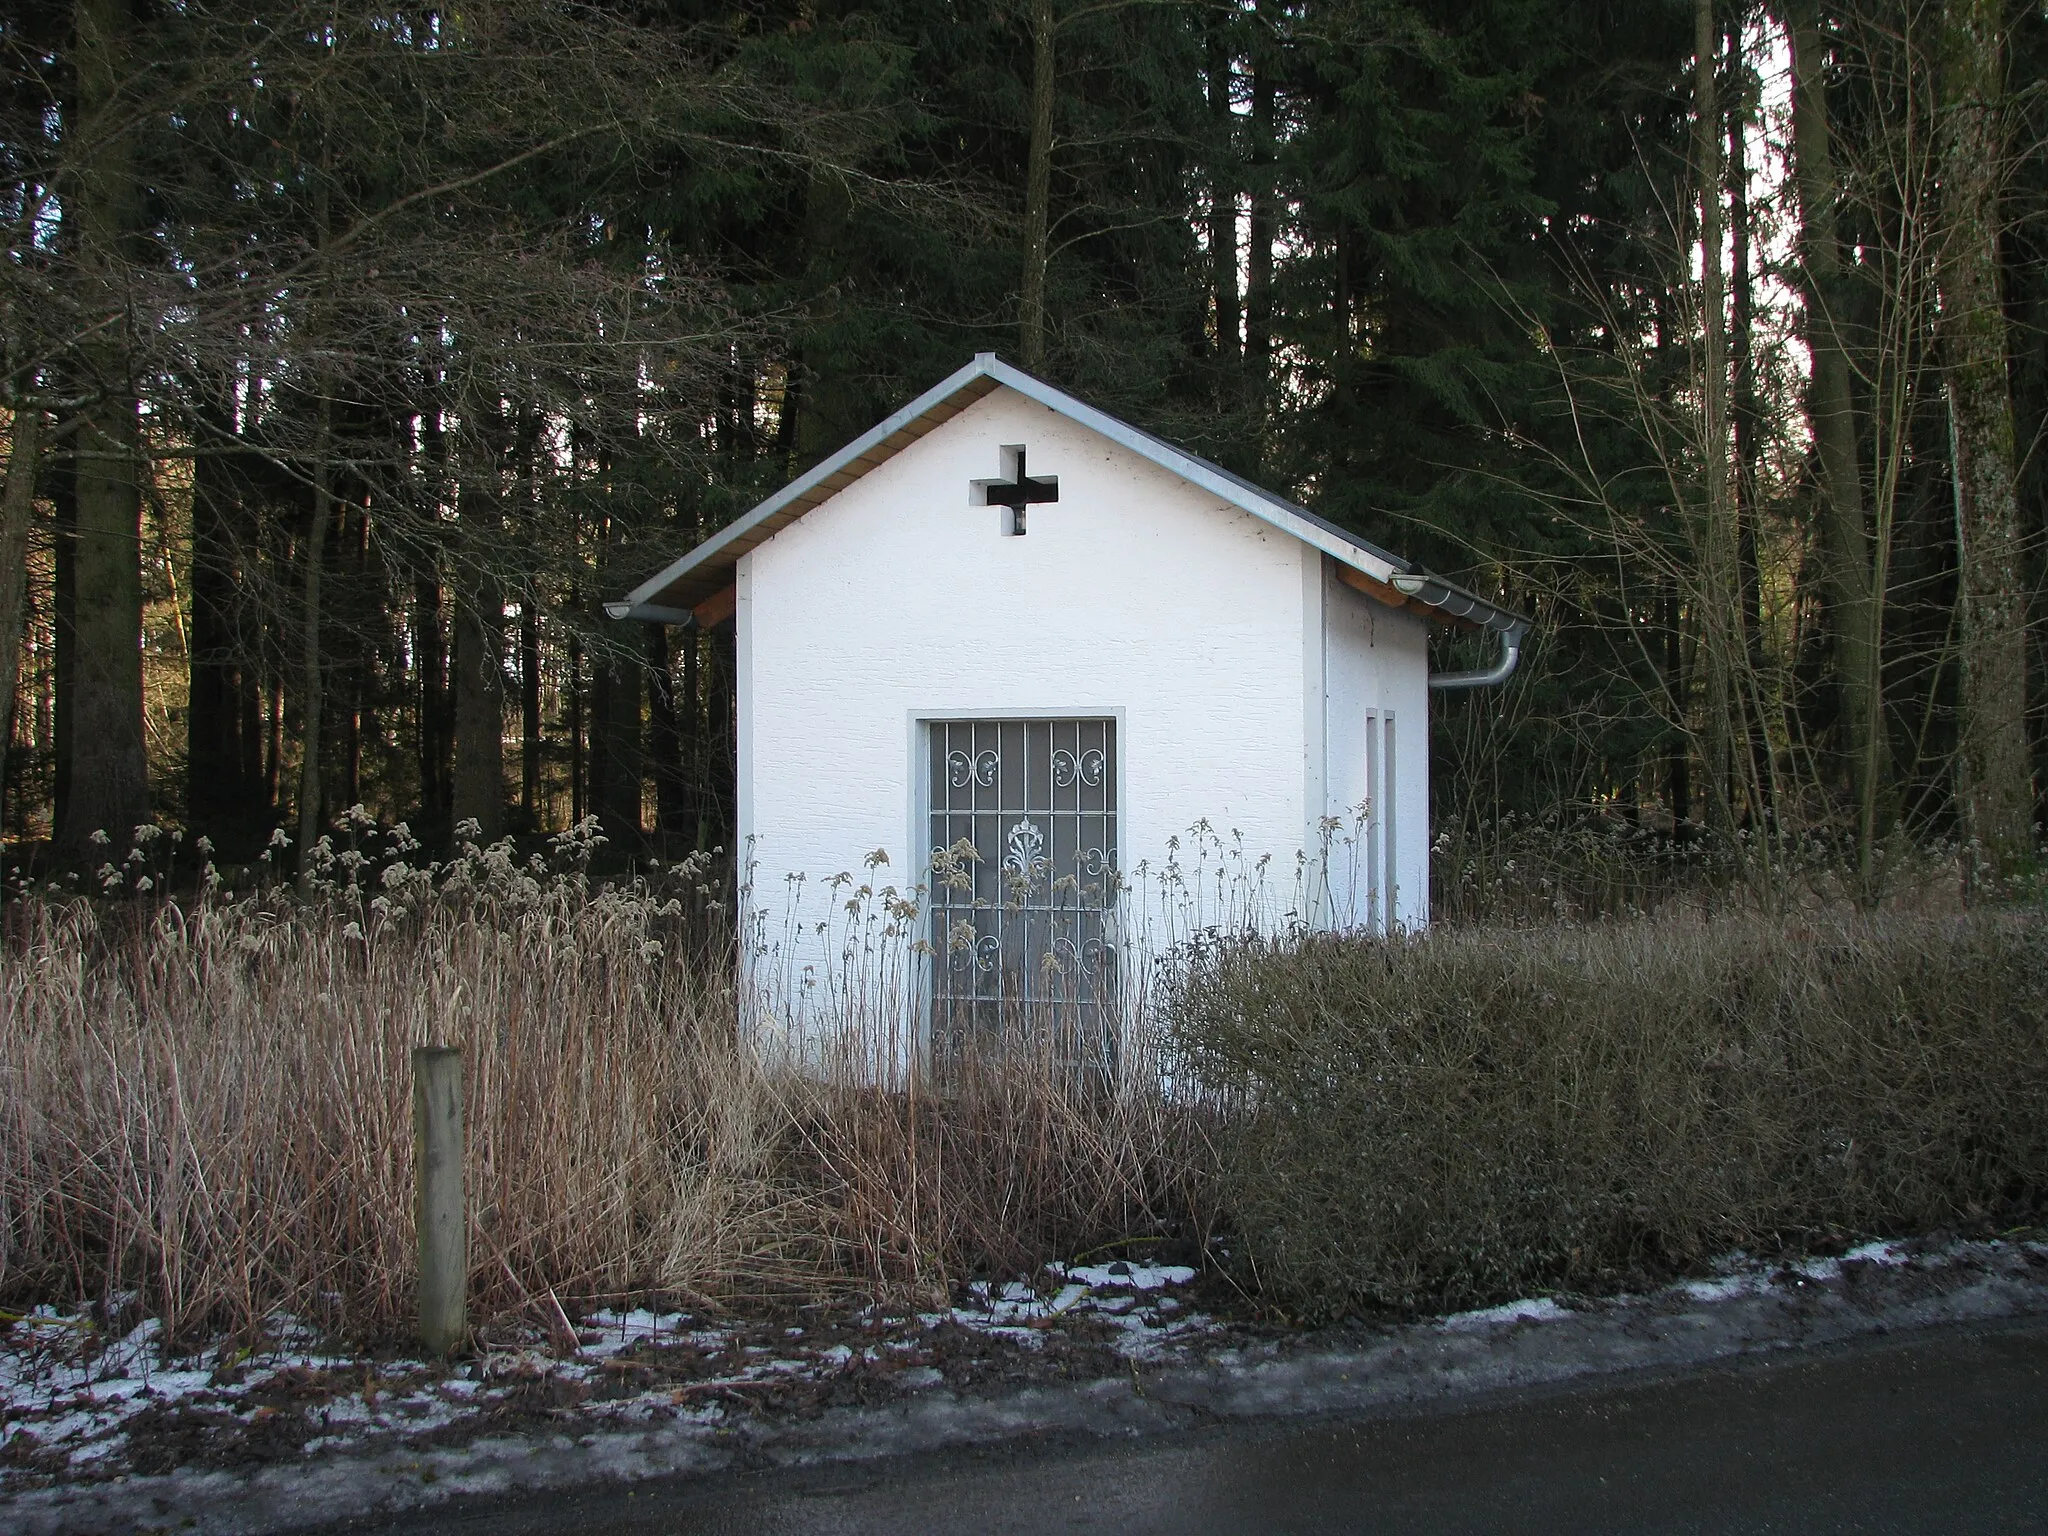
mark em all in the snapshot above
pixel 437 1169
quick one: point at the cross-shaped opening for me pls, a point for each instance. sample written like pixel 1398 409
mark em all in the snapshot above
pixel 1016 490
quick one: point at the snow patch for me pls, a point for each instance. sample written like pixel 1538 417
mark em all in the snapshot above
pixel 1532 1309
pixel 72 1384
pixel 1888 1254
pixel 1722 1288
pixel 1136 1277
pixel 622 1330
pixel 1129 1298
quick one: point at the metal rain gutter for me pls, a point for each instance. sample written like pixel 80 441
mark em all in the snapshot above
pixel 651 613
pixel 1449 599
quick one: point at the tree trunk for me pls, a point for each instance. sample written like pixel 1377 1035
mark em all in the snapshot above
pixel 220 793
pixel 615 755
pixel 1678 758
pixel 355 523
pixel 109 786
pixel 108 778
pixel 312 685
pixel 477 792
pixel 579 760
pixel 825 405
pixel 1721 627
pixel 1037 190
pixel 529 712
pixel 17 514
pixel 62 478
pixel 1223 201
pixel 1996 792
pixel 1746 422
pixel 1844 532
pixel 430 672
pixel 664 741
pixel 721 744
pixel 616 759
pixel 1258 288
pixel 690 711
pixel 249 708
pixel 273 738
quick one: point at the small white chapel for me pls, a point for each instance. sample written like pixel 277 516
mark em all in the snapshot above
pixel 1008 634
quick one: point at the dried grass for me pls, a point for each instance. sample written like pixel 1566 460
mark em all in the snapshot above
pixel 210 1103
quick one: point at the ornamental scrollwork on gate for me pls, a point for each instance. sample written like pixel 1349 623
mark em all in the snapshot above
pixel 1066 768
pixel 1089 958
pixel 962 770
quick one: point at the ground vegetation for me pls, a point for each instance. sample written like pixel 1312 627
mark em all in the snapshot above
pixel 1444 1121
pixel 206 1114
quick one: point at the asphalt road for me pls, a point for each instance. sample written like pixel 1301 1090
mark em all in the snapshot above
pixel 1935 1433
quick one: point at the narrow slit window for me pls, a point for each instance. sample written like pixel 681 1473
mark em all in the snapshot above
pixel 1383 904
pixel 1389 802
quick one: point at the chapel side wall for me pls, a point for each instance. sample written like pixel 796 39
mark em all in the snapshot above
pixel 1377 663
pixel 1135 595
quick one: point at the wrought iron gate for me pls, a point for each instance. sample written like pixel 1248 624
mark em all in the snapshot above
pixel 1024 878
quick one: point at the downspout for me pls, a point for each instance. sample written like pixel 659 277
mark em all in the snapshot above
pixel 1485 677
pixel 1447 599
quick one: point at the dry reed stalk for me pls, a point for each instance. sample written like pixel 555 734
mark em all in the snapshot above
pixel 209 1104
pixel 998 1162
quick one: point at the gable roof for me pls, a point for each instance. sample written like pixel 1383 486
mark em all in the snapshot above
pixel 701 576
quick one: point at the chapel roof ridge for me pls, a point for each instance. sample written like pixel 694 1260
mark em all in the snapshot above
pixel 674 594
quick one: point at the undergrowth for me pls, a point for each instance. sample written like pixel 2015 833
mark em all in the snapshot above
pixel 205 1091
pixel 1444 1120
pixel 206 1101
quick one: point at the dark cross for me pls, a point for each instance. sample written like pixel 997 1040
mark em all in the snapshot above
pixel 1016 490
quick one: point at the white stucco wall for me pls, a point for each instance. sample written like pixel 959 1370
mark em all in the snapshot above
pixel 1198 627
pixel 1376 684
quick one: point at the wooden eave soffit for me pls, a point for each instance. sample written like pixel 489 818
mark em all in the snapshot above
pixel 1380 592
pixel 717 608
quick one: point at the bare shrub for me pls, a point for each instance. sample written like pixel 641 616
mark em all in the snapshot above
pixel 1458 1117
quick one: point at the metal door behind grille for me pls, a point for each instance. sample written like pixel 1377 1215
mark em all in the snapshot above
pixel 1019 923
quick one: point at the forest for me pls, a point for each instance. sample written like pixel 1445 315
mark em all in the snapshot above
pixel 356 353
pixel 354 356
